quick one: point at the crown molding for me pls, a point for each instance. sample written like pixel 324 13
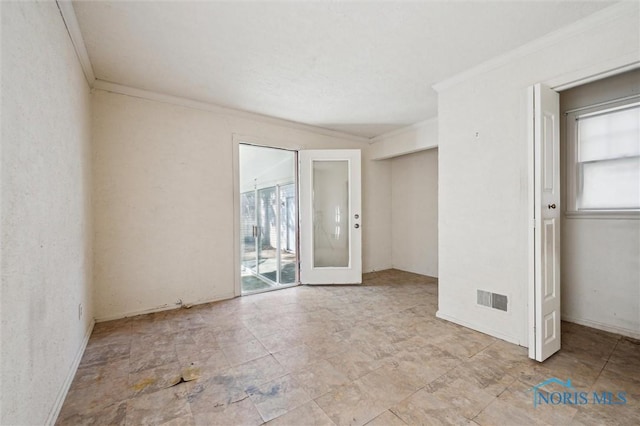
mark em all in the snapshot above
pixel 617 10
pixel 409 128
pixel 630 62
pixel 73 28
pixel 205 106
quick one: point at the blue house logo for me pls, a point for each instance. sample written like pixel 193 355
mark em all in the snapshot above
pixel 570 396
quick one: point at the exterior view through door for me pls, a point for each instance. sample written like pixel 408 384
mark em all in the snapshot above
pixel 329 216
pixel 268 218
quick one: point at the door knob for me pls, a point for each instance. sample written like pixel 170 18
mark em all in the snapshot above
pixel 551 206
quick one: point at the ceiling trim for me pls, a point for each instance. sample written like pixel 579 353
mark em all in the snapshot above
pixel 608 69
pixel 205 106
pixel 411 127
pixel 73 28
pixel 617 10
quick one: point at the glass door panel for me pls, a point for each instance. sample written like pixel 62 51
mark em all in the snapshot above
pixel 248 230
pixel 330 214
pixel 267 235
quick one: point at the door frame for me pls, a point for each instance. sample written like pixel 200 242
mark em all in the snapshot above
pixel 238 139
pixel 557 83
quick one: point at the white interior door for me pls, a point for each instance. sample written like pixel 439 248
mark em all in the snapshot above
pixel 546 220
pixel 330 217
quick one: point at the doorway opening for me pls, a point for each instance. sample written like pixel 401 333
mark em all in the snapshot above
pixel 600 171
pixel 268 219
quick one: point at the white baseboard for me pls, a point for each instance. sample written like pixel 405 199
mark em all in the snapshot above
pixel 62 394
pixel 481 329
pixel 634 334
pixel 163 308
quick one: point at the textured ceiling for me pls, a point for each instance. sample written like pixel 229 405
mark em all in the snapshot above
pixel 365 68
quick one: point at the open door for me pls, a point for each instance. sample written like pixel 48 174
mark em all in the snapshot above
pixel 544 296
pixel 330 217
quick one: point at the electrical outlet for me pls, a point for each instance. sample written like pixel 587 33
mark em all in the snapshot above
pixel 79 310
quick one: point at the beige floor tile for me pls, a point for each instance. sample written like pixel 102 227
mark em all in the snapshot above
pixel 204 337
pixel 354 363
pixel 152 358
pixel 97 355
pixel 424 408
pixel 280 341
pixel 277 397
pixel 234 336
pixel 357 351
pixel 596 415
pixel 96 397
pixel 319 378
pixel 308 414
pixel 186 420
pixel 520 396
pixel 463 344
pixel 207 364
pixel 417 365
pixel 296 358
pixel 93 375
pixel 586 343
pixel 258 371
pixel 459 392
pixel 387 419
pixel 144 410
pixel 562 366
pixel 214 393
pixel 114 414
pixel 261 328
pixel 484 373
pixel 241 412
pixel 150 325
pixel 198 351
pixel 389 385
pixel 243 352
pixel 626 354
pixel 500 412
pixel 351 404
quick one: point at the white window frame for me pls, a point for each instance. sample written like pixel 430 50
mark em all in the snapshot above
pixel 573 181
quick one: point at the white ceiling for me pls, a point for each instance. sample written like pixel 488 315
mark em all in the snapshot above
pixel 364 68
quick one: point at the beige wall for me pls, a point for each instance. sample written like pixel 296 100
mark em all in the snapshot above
pixel 163 200
pixel 600 256
pixel 46 219
pixel 414 212
pixel 483 167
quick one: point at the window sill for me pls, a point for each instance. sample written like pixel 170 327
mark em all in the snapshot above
pixel 606 215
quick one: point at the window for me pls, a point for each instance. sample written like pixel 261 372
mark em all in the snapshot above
pixel 604 158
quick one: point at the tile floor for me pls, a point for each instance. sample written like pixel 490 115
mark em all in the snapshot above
pixel 373 354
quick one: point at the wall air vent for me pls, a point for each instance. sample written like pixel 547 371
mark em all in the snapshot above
pixel 492 300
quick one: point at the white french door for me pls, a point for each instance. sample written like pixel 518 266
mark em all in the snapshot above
pixel 330 217
pixel 544 296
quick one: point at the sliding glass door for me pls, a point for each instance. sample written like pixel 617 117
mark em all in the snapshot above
pixel 268 219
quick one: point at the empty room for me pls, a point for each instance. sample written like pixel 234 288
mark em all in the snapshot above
pixel 320 212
